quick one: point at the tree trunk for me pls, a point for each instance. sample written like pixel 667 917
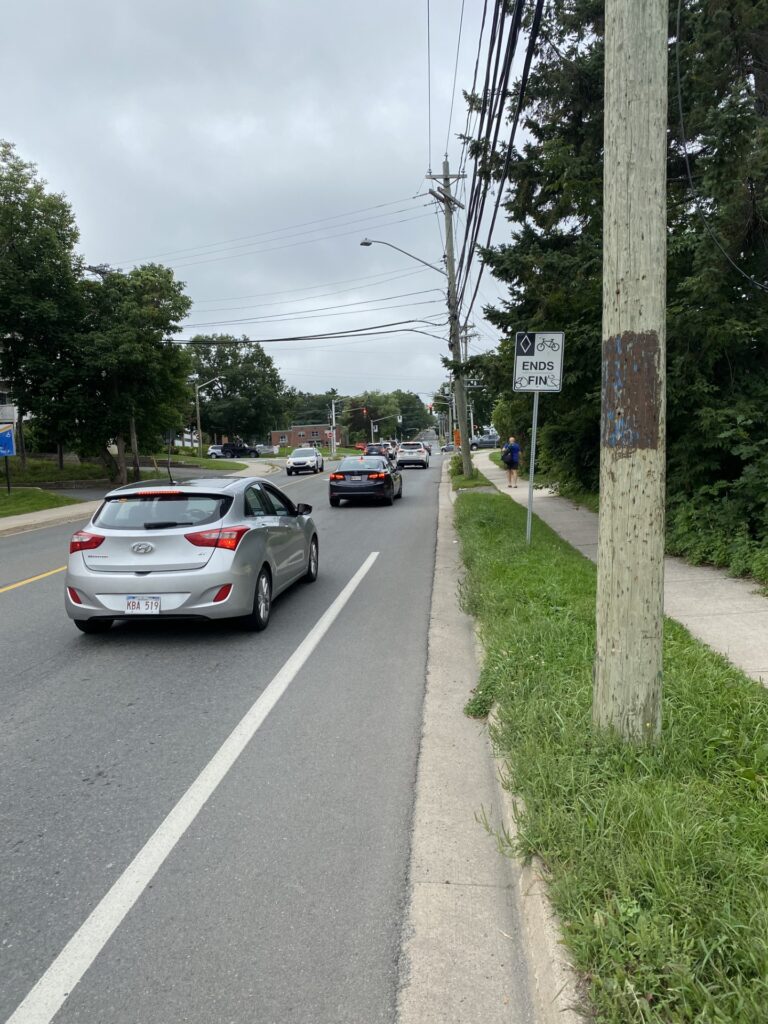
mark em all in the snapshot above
pixel 108 459
pixel 20 435
pixel 630 584
pixel 134 448
pixel 60 455
pixel 122 468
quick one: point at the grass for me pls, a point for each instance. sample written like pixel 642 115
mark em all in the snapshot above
pixel 44 471
pixel 461 482
pixel 657 857
pixel 193 461
pixel 30 500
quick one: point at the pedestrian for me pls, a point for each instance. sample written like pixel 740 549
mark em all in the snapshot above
pixel 510 456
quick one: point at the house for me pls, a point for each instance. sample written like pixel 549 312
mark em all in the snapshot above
pixel 300 434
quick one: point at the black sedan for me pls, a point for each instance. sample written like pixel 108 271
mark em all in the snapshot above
pixel 365 476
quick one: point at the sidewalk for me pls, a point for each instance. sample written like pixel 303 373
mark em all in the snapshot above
pixel 727 614
pixel 47 517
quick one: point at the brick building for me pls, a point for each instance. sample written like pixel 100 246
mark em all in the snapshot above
pixel 301 434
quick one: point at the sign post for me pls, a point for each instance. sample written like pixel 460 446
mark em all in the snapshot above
pixel 7 439
pixel 538 368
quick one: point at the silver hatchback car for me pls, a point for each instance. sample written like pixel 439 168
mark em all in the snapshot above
pixel 210 549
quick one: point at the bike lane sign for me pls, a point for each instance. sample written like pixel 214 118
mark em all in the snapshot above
pixel 539 361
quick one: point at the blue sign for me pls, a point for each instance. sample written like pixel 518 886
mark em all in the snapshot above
pixel 7 440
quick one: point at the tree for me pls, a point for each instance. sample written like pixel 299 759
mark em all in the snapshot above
pixel 248 397
pixel 717 322
pixel 125 378
pixel 39 299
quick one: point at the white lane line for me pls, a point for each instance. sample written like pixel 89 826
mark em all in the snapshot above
pixel 45 999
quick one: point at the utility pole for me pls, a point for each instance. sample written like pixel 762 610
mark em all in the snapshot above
pixel 630 574
pixel 333 428
pixel 444 196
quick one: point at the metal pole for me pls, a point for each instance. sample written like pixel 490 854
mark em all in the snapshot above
pixel 532 466
pixel 8 475
pixel 333 428
pixel 199 428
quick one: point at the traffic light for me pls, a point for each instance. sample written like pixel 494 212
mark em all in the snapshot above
pixel 365 410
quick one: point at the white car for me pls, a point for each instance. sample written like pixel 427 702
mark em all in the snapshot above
pixel 214 451
pixel 412 453
pixel 304 460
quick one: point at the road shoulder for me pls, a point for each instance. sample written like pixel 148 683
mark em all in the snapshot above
pixel 463 956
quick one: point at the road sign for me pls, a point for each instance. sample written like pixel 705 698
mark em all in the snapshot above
pixel 538 361
pixel 7 440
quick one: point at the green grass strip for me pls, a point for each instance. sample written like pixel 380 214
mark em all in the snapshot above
pixel 658 858
pixel 30 500
pixel 461 482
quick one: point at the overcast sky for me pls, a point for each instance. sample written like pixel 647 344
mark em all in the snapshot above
pixel 207 135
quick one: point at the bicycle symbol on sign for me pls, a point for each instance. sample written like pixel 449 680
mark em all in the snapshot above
pixel 553 346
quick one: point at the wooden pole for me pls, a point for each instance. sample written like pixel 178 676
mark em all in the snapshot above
pixel 630 586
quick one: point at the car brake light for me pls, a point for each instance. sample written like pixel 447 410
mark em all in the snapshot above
pixel 228 537
pixel 377 476
pixel 336 476
pixel 82 541
pixel 222 593
pixel 73 595
pixel 148 494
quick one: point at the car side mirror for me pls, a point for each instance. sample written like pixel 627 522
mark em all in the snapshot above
pixel 303 510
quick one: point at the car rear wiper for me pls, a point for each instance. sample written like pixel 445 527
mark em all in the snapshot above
pixel 165 525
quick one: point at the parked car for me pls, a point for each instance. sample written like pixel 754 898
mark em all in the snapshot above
pixel 304 460
pixel 365 476
pixel 202 549
pixel 268 449
pixel 484 441
pixel 412 453
pixel 239 450
pixel 214 451
pixel 449 447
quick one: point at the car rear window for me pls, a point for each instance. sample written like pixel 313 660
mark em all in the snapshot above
pixel 411 446
pixel 303 453
pixel 361 465
pixel 161 510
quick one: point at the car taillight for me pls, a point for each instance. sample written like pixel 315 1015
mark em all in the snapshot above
pixel 222 593
pixel 377 476
pixel 228 537
pixel 156 493
pixel 82 541
pixel 336 476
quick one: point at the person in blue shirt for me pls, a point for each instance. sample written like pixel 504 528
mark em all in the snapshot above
pixel 510 456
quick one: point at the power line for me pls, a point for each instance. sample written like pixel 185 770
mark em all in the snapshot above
pixel 344 291
pixel 389 276
pixel 455 73
pixel 429 94
pixel 290 245
pixel 350 333
pixel 288 227
pixel 276 318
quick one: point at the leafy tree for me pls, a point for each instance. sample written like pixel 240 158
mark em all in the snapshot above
pixel 717 323
pixel 39 299
pixel 247 398
pixel 125 377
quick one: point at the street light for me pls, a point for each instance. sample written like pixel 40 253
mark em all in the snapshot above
pixel 377 241
pixel 198 389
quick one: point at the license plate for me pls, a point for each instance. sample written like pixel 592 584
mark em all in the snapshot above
pixel 139 605
pixel 355 478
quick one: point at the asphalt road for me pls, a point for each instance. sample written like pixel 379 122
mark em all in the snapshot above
pixel 283 901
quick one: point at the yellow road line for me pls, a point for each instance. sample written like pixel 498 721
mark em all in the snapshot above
pixel 32 579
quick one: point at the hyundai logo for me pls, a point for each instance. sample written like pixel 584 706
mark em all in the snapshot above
pixel 142 548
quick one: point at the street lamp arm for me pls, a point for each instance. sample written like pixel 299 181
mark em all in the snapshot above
pixel 378 241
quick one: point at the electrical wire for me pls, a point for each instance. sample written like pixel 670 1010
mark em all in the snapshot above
pixel 696 202
pixel 350 333
pixel 291 245
pixel 455 73
pixel 288 318
pixel 288 227
pixel 292 291
pixel 429 94
pixel 532 38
